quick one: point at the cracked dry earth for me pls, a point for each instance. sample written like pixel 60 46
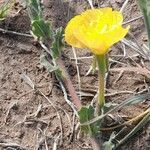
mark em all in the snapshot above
pixel 27 119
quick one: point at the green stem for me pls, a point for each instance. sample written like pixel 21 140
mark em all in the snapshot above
pixel 94 64
pixel 145 7
pixel 101 61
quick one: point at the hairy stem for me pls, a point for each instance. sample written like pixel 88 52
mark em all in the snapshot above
pixel 101 61
pixel 69 85
pixel 66 80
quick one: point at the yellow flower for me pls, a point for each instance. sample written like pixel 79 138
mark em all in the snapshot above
pixel 96 29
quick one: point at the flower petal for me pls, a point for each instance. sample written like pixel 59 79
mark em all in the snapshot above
pixel 115 35
pixel 96 29
pixel 72 26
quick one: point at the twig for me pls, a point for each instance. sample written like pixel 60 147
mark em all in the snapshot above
pixel 124 50
pixel 15 33
pixel 30 118
pixel 12 104
pixel 83 147
pixel 45 140
pixel 91 3
pixel 55 143
pixel 124 5
pixel 119 92
pixel 133 19
pixel 135 47
pixel 80 58
pixel 72 129
pixel 78 73
pixel 119 76
pixel 13 145
pixel 111 94
pixel 140 70
pixel 89 71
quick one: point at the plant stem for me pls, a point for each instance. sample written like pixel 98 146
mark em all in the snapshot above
pixel 101 61
pixel 69 85
pixel 94 64
pixel 66 80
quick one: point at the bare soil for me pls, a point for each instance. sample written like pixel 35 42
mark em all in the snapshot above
pixel 27 120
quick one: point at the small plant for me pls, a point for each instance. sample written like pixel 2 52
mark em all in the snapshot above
pixel 97 30
pixel 4 9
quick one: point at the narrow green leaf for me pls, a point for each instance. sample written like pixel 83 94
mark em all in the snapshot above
pixel 131 101
pixel 85 114
pixel 57 44
pixel 145 8
pixel 109 106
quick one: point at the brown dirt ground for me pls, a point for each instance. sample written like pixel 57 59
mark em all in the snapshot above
pixel 18 102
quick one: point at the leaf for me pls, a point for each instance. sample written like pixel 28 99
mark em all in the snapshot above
pixel 86 114
pixel 109 145
pixel 41 29
pixel 57 43
pixel 131 101
pixel 44 62
pixel 4 9
pixel 34 9
pixel 145 8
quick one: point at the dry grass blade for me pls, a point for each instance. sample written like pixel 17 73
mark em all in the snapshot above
pixel 140 70
pixel 129 122
pixel 136 48
pixel 78 73
pixel 133 19
pixel 11 145
pixel 91 3
pixel 124 5
pixel 140 125
pixel 27 80
pixel 56 143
